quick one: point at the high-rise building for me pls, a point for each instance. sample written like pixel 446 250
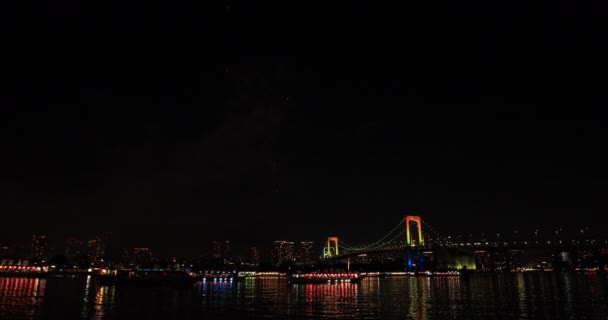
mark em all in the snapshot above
pixel 283 252
pixel 39 246
pixel 216 249
pixel 104 239
pixel 95 249
pixel 221 250
pixel 256 255
pixel 306 252
pixel 74 247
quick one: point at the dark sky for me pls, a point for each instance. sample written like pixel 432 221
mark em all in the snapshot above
pixel 176 122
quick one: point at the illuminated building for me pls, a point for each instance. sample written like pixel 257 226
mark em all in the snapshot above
pixel 104 239
pixel 564 260
pixel 362 259
pixel 221 250
pixel 283 252
pixel 428 259
pixel 74 247
pixel 216 248
pixel 39 246
pixel 306 252
pixel 483 260
pixel 95 249
pixel 515 259
pixel 256 255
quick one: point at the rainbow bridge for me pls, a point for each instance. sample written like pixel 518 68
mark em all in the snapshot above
pixel 406 236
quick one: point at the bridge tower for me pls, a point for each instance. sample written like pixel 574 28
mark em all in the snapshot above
pixel 415 258
pixel 408 235
pixel 330 251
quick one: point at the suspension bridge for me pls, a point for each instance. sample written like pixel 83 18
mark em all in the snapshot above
pixel 406 234
pixel 408 237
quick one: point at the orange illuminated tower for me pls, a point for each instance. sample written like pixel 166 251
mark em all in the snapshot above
pixel 328 253
pixel 408 239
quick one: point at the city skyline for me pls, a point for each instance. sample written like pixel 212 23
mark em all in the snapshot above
pixel 104 244
pixel 517 253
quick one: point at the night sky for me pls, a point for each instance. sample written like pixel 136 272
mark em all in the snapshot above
pixel 177 122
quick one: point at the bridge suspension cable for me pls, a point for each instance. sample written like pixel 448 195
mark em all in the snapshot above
pixel 433 231
pixel 388 243
pixel 389 239
pixel 377 244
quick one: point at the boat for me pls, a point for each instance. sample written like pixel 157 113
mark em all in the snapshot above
pixel 220 276
pixel 452 273
pixel 264 274
pixel 11 271
pixel 324 278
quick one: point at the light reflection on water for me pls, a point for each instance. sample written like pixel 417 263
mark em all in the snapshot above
pixel 483 296
pixel 21 296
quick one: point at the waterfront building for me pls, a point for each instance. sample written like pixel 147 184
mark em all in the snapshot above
pixel 39 246
pixel 255 255
pixel 221 250
pixel 306 252
pixel 74 247
pixel 283 252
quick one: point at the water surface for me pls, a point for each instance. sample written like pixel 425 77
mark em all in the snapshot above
pixel 483 296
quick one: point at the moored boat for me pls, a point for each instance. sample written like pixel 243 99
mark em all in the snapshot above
pixel 324 278
pixel 220 276
pixel 22 271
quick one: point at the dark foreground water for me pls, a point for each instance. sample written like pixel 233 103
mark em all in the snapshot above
pixel 483 296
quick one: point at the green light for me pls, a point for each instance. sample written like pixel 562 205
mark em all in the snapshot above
pixel 418 221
